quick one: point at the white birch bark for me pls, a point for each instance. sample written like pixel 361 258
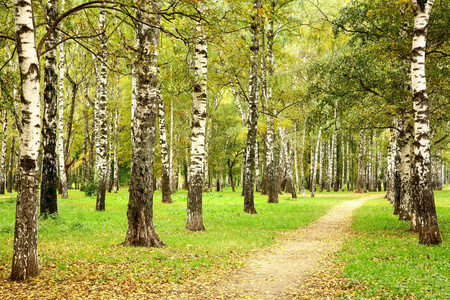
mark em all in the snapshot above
pixel 348 164
pixel 25 255
pixel 257 170
pixel 334 159
pixel 423 197
pixel 165 161
pixel 302 154
pixel 321 168
pixel 360 182
pixel 405 172
pixel 3 154
pixel 116 144
pixel 330 165
pixel 369 167
pixel 297 177
pixel 102 138
pixel 198 129
pixel 61 159
pixel 272 189
pixel 343 163
pixel 173 185
pixel 314 165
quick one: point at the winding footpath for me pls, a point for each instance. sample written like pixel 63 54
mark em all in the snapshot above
pixel 282 270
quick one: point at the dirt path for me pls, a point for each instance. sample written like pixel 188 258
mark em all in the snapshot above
pixel 283 269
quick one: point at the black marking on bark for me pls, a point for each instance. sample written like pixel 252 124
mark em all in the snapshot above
pixel 27 163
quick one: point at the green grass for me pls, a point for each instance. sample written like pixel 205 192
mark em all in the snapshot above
pixel 385 261
pixel 81 243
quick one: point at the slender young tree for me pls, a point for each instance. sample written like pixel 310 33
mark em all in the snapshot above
pixel 422 192
pixel 198 128
pixel 25 256
pixel 405 172
pixel 141 229
pixel 49 181
pixel 321 168
pixel 61 158
pixel 314 165
pixel 165 165
pixel 116 146
pixel 102 138
pixel 3 154
pixel 302 154
pixel 360 182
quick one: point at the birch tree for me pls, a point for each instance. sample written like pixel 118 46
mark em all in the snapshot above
pixel 360 181
pixel 302 154
pixel 165 163
pixel 141 229
pixel 194 220
pixel 405 172
pixel 314 164
pixel 116 146
pixel 249 201
pixel 3 154
pixel 102 138
pixel 25 256
pixel 61 158
pixel 48 200
pixel 422 192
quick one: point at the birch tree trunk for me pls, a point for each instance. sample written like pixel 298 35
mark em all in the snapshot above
pixel 249 201
pixel 405 173
pixel 392 150
pixel 9 183
pixel 335 163
pixel 102 138
pixel 291 182
pixel 422 192
pixel 439 173
pixel 194 220
pixel 116 146
pixel 272 189
pixel 141 229
pixel 302 154
pixel 25 256
pixel 321 156
pixel 49 181
pixel 330 165
pixel 3 154
pixel 314 165
pixel 257 169
pixel 61 158
pixel 165 162
pixel 173 186
pixel 295 154
pixel 360 182
pixel 348 164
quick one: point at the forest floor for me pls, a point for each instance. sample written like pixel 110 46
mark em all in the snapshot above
pixel 299 266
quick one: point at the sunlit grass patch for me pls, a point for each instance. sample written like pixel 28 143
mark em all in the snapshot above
pixel 385 260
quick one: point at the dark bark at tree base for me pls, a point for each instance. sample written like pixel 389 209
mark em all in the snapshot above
pixel 141 230
pixel 25 258
pixel 194 220
pixel 101 195
pixel 250 209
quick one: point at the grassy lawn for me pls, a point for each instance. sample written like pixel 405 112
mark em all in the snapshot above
pixel 385 261
pixel 80 249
